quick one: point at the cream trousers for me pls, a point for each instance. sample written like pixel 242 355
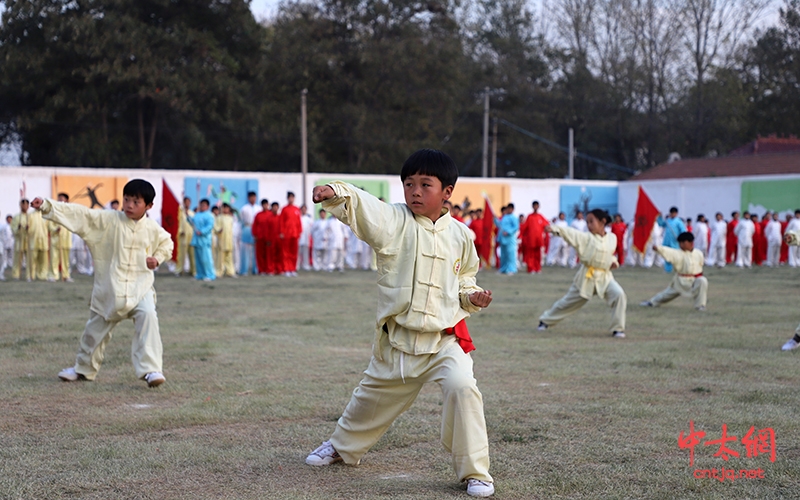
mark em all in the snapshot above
pixel 389 387
pixel 146 349
pixel 699 292
pixel 615 298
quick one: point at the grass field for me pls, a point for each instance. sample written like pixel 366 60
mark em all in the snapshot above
pixel 259 369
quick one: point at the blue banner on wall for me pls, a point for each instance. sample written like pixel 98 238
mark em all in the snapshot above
pixel 585 198
pixel 219 190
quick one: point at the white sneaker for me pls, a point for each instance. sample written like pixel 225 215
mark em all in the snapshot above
pixel 154 379
pixel 326 454
pixel 542 326
pixel 69 374
pixel 790 344
pixel 478 488
pixel 618 335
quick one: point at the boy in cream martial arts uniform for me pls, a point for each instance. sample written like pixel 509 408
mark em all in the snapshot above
pixel 19 229
pixel 426 270
pixel 792 238
pixel 688 279
pixel 38 248
pixel 60 247
pixel 595 249
pixel 223 228
pixel 185 234
pixel 127 248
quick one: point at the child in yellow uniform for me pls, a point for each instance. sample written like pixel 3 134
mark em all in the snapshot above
pixel 127 247
pixel 38 248
pixel 792 238
pixel 426 274
pixel 60 247
pixel 185 234
pixel 19 229
pixel 223 228
pixel 595 250
pixel 688 279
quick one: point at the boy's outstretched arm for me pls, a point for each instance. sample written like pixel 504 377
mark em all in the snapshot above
pixel 322 193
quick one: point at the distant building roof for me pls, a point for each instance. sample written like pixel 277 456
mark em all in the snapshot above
pixel 768 145
pixel 770 155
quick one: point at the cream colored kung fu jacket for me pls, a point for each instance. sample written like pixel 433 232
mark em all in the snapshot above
pixel 120 247
pixel 687 266
pixel 426 270
pixel 596 254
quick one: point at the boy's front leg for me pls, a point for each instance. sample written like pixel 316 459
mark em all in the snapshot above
pixel 374 405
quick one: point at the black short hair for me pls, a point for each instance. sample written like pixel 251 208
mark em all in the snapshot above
pixel 686 236
pixel 797 211
pixel 601 214
pixel 205 200
pixel 510 205
pixel 24 200
pixel 65 195
pixel 275 204
pixel 251 193
pixel 225 205
pixel 431 162
pixel 673 210
pixel 265 201
pixel 289 193
pixel 534 203
pixel 733 214
pixel 139 188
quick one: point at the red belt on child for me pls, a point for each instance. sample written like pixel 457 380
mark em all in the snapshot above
pixel 690 275
pixel 462 334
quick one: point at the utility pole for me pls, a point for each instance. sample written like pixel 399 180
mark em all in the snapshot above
pixel 571 155
pixel 494 148
pixel 303 142
pixel 485 169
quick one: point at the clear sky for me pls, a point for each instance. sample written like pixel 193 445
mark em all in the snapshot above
pixel 263 8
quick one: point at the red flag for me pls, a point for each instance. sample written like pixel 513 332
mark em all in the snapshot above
pixel 169 216
pixel 488 233
pixel 646 215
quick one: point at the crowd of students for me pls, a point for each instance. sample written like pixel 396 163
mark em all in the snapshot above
pixel 259 239
pixel 745 240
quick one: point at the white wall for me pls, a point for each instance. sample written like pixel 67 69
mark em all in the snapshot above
pixel 705 196
pixel 272 186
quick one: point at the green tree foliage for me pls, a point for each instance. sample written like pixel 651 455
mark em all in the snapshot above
pixel 149 83
pixel 201 84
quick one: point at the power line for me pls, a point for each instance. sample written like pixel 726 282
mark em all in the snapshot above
pixel 565 149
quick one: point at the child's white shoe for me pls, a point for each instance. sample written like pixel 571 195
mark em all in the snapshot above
pixel 154 379
pixel 790 344
pixel 326 454
pixel 478 488
pixel 68 374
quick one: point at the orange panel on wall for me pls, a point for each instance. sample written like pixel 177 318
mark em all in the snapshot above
pixel 90 191
pixel 499 194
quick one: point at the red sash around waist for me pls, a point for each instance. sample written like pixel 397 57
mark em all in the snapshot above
pixel 462 334
pixel 690 275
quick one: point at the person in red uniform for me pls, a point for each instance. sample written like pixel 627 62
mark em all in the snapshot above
pixel 618 227
pixel 274 254
pixel 732 241
pixel 476 225
pixel 290 228
pixel 764 244
pixel 260 228
pixel 758 234
pixel 532 234
pixel 784 247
